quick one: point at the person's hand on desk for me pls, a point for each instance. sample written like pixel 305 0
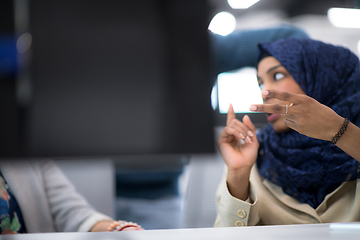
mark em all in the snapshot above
pixel 123 226
pixel 110 226
pixel 313 119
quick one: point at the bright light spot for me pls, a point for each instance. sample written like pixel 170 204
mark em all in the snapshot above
pixel 223 23
pixel 358 47
pixel 24 42
pixel 240 88
pixel 241 4
pixel 344 17
pixel 214 100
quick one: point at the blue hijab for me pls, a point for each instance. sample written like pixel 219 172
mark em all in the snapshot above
pixel 306 168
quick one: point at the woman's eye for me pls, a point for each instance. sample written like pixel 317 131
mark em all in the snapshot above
pixel 261 86
pixel 278 76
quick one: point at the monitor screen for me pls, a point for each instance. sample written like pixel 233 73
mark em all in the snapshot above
pixel 110 78
pixel 239 88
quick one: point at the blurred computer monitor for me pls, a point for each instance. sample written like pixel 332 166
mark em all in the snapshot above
pixel 112 78
pixel 239 88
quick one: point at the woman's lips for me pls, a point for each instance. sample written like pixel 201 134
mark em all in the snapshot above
pixel 273 117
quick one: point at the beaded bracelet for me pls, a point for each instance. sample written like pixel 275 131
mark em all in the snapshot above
pixel 121 225
pixel 341 131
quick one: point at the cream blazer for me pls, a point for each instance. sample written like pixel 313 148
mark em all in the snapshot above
pixel 48 201
pixel 269 205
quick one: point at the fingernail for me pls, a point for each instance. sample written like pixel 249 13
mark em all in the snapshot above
pixel 247 138
pixel 242 141
pixel 250 133
pixel 242 136
pixel 265 92
pixel 253 108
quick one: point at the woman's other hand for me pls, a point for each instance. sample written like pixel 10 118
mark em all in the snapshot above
pixel 238 146
pixel 237 142
pixel 305 115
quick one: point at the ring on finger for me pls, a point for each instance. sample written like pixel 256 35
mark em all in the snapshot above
pixel 287 108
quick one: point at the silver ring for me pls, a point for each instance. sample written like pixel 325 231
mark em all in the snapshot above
pixel 287 108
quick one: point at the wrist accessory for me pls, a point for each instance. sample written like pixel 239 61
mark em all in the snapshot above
pixel 120 225
pixel 341 131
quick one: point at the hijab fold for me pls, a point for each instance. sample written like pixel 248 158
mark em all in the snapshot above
pixel 308 169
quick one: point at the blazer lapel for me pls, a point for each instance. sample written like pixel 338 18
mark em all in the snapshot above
pixel 289 201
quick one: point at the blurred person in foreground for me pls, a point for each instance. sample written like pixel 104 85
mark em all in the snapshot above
pixel 36 197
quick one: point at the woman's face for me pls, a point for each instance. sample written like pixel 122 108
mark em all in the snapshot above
pixel 273 76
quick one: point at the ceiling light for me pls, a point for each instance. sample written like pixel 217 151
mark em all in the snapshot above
pixel 223 23
pixel 241 4
pixel 344 17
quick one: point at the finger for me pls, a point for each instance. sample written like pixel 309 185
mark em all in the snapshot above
pixel 251 134
pixel 268 108
pixel 130 229
pixel 230 115
pixel 234 123
pixel 248 123
pixel 284 96
pixel 234 133
pixel 291 124
pixel 292 116
pixel 240 127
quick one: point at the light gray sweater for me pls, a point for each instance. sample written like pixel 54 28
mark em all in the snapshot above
pixel 48 201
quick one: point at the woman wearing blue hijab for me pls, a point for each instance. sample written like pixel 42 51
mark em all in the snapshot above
pixel 281 176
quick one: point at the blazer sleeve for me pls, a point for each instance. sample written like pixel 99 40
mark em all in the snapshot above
pixel 233 212
pixel 70 211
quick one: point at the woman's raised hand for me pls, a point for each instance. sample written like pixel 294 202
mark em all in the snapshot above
pixel 305 115
pixel 237 142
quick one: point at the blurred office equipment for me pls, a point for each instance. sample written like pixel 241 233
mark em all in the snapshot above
pixel 239 88
pixel 115 79
pixel 112 78
pixel 149 190
pixel 203 175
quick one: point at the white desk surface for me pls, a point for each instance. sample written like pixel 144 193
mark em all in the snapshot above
pixel 286 232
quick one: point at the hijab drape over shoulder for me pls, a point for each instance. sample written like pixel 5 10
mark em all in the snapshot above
pixel 306 168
